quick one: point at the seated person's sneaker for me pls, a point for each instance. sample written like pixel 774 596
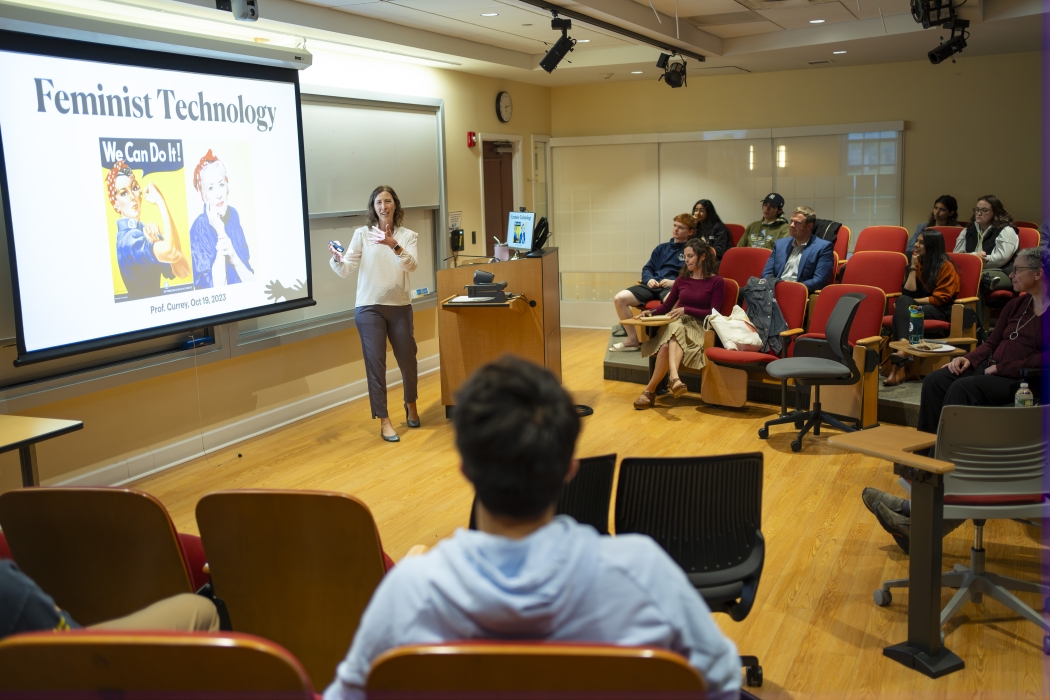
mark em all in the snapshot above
pixel 899 526
pixel 872 497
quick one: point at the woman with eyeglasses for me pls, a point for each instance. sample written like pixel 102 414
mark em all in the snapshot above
pixel 987 376
pixel 945 213
pixel 933 284
pixel 709 226
pixel 992 237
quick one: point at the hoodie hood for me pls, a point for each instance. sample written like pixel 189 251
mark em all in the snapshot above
pixel 527 587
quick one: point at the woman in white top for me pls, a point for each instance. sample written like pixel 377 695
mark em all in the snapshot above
pixel 992 237
pixel 386 253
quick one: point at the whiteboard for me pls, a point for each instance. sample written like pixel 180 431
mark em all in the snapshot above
pixel 350 149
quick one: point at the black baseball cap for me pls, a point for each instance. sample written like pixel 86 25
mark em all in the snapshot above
pixel 775 199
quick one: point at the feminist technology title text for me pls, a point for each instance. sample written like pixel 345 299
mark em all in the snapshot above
pixel 164 104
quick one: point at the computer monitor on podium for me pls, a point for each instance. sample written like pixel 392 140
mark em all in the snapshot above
pixel 520 226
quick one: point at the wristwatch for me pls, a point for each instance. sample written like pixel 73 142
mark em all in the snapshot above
pixel 398 249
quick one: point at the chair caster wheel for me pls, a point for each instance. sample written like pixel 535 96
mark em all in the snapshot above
pixel 754 676
pixel 882 598
pixel 1046 645
pixel 763 433
pixel 800 424
pixel 796 445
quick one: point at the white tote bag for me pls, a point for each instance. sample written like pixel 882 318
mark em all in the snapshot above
pixel 735 331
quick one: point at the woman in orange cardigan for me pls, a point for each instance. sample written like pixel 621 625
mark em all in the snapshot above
pixel 933 284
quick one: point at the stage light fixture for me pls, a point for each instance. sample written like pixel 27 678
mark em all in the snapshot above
pixel 561 47
pixel 948 48
pixel 673 69
pixel 932 13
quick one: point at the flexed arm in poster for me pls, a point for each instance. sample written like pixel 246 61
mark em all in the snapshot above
pixel 167 245
pixel 220 250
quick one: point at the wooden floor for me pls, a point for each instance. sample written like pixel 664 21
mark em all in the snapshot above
pixel 814 626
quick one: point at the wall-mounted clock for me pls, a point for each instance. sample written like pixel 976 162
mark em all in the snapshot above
pixel 504 106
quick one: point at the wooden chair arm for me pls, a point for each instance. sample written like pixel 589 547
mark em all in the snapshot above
pixel 792 331
pixel 967 300
pixel 958 341
pixel 875 340
pixel 893 294
pixel 206 569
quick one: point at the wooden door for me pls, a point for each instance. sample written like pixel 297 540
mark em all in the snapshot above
pixel 499 193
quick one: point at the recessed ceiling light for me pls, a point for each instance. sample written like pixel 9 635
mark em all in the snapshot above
pixel 838 52
pixel 816 21
pixel 490 14
pixel 636 72
pixel 583 41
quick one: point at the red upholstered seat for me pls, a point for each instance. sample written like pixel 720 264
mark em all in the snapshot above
pixel 866 324
pixel 736 232
pixel 5 551
pixel 738 357
pixel 950 234
pixel 1008 499
pixel 1026 238
pixel 193 555
pixel 741 264
pixel 877 268
pixel 886 238
pixel 650 305
pixel 932 326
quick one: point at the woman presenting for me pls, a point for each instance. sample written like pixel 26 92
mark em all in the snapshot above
pixel 386 253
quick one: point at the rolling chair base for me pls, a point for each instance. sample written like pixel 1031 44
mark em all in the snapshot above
pixel 807 420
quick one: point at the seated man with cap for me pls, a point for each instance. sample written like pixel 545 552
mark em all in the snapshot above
pixel 802 257
pixel 770 228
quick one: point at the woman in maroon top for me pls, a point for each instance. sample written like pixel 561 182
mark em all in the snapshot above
pixel 991 374
pixel 696 291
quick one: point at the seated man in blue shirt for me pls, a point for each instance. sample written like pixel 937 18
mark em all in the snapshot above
pixel 802 257
pixel 658 277
pixel 526 574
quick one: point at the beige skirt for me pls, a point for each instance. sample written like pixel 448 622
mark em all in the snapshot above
pixel 688 332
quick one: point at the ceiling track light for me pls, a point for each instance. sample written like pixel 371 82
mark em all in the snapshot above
pixel 613 29
pixel 561 47
pixel 674 69
pixel 942 13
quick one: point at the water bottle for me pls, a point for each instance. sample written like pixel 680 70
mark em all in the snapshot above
pixel 1024 396
pixel 915 324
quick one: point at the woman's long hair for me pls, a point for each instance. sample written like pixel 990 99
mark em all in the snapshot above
pixel 710 218
pixel 399 213
pixel 933 258
pixel 951 205
pixel 1000 217
pixel 708 264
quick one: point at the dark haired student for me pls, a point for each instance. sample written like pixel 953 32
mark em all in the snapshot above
pixel 933 284
pixel 945 213
pixel 526 574
pixel 709 226
pixel 386 253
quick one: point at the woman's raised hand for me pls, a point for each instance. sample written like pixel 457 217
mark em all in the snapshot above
pixel 334 252
pixel 379 236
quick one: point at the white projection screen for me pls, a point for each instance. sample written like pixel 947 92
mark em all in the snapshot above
pixel 146 194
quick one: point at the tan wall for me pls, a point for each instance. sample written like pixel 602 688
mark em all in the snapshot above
pixel 133 419
pixel 955 142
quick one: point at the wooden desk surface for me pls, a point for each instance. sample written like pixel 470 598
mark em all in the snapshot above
pixel 905 346
pixel 896 444
pixel 19 431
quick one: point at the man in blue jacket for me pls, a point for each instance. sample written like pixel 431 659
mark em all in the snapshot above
pixel 658 277
pixel 526 574
pixel 802 257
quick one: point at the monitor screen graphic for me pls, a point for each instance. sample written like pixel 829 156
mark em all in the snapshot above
pixel 146 193
pixel 519 229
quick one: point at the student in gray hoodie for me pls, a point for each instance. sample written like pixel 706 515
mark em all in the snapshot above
pixel 526 574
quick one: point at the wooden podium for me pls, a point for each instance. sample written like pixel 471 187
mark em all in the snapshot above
pixel 471 336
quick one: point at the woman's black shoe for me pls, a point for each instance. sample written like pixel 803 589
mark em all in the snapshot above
pixel 389 438
pixel 411 423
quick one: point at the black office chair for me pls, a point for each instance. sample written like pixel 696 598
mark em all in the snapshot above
pixel 585 498
pixel 706 512
pixel 829 361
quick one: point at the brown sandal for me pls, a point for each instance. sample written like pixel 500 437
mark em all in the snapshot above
pixel 678 388
pixel 646 400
